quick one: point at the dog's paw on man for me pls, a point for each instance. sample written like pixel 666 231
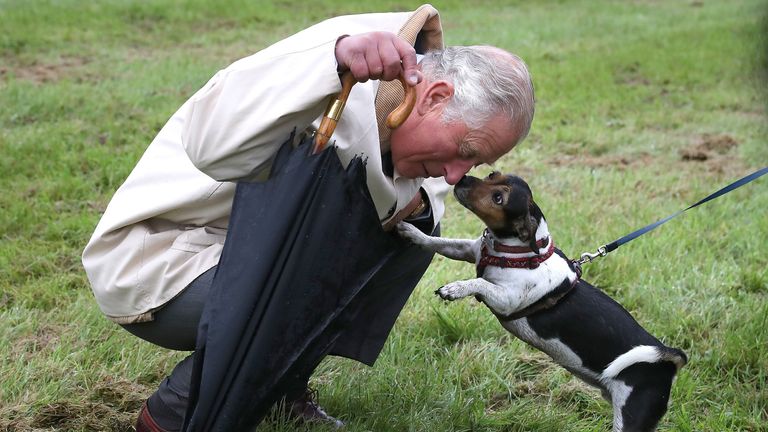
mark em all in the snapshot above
pixel 537 294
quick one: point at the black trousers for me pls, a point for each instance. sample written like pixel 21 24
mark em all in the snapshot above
pixel 368 321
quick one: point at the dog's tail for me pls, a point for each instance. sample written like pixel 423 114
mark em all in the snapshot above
pixel 644 354
pixel 674 355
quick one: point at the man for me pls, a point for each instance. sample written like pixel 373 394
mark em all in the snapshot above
pixel 152 257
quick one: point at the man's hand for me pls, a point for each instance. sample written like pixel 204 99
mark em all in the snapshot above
pixel 379 56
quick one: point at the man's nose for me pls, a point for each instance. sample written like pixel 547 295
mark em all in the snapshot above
pixel 454 171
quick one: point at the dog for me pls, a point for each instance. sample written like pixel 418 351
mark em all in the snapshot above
pixel 538 295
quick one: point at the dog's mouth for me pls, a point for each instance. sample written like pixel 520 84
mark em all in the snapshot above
pixel 462 189
pixel 462 196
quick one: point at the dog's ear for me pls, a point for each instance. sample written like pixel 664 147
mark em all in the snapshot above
pixel 532 226
pixel 535 216
pixel 526 227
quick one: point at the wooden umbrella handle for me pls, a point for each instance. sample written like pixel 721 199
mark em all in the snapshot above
pixel 336 106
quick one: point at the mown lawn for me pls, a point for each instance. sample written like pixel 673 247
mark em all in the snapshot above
pixel 643 107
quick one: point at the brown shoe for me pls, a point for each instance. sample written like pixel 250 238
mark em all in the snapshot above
pixel 306 409
pixel 146 423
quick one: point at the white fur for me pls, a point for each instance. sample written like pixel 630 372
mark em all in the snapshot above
pixel 638 354
pixel 523 287
pixel 504 290
pixel 541 232
pixel 619 394
pixel 508 290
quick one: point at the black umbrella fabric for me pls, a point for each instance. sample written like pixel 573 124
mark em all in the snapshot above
pixel 300 247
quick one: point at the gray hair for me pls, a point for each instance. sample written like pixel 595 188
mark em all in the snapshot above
pixel 487 81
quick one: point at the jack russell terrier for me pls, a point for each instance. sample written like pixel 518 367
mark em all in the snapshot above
pixel 538 295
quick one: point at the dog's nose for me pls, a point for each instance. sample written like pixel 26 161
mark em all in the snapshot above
pixel 462 180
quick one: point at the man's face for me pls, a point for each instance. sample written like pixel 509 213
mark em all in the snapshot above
pixel 425 146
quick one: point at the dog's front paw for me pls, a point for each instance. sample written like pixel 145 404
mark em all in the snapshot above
pixel 410 233
pixel 451 292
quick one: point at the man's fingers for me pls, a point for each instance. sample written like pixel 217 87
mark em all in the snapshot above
pixel 408 57
pixel 390 58
pixel 377 55
pixel 358 66
pixel 374 60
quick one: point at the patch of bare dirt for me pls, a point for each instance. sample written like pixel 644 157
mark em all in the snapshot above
pixel 121 394
pixel 708 146
pixel 44 339
pixel 112 407
pixel 82 416
pixel 714 152
pixel 41 73
pixel 612 161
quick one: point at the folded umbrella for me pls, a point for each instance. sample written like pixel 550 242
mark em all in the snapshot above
pixel 293 260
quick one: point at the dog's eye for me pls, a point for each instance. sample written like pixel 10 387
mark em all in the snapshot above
pixel 498 198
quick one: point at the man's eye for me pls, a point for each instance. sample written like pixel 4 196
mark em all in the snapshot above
pixel 498 198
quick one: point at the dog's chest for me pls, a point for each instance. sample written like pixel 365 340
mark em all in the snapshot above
pixel 519 287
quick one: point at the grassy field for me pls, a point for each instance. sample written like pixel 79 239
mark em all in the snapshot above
pixel 643 107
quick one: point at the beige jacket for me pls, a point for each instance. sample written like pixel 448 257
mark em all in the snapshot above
pixel 167 223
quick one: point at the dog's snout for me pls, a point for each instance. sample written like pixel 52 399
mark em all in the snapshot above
pixel 467 181
pixel 462 188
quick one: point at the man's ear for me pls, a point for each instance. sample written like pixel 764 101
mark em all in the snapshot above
pixel 436 96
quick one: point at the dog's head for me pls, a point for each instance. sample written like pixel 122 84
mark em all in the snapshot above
pixel 504 202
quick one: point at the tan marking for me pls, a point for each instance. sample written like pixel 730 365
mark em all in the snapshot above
pixel 480 201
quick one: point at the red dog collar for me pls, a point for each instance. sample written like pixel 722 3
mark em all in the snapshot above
pixel 531 262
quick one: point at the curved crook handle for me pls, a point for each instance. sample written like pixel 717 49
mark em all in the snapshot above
pixel 398 115
pixel 336 106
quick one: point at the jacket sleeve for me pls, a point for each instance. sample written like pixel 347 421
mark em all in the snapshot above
pixel 239 119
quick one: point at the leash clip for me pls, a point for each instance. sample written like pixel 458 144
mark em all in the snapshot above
pixel 589 257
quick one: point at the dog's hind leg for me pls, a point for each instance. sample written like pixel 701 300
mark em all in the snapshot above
pixel 646 402
pixel 643 409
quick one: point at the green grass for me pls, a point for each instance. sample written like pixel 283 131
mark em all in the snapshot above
pixel 625 90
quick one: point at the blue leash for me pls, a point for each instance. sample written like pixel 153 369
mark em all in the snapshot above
pixel 610 247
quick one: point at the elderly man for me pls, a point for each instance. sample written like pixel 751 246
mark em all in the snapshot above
pixel 152 256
